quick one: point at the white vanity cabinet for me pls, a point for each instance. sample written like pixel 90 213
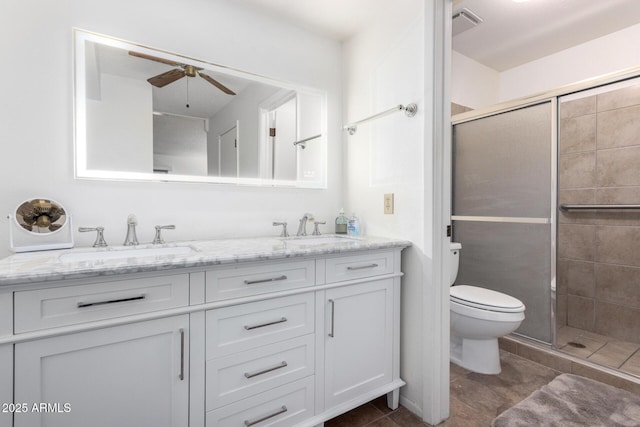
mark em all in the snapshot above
pixel 90 370
pixel 358 340
pixel 6 361
pixel 289 341
pixel 324 341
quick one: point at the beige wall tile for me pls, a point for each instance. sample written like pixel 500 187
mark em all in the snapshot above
pixel 545 358
pixel 616 167
pixel 578 107
pixel 576 242
pixel 579 277
pixel 619 98
pixel 616 128
pixel 618 196
pixel 577 170
pixel 580 312
pixel 617 321
pixel 618 284
pixel 618 245
pixel 577 197
pixel 577 134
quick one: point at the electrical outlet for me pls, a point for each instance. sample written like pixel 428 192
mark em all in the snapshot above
pixel 388 203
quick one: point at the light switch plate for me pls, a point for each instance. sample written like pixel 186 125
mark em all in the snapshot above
pixel 388 203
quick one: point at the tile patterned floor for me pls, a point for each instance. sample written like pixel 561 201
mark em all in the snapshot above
pixel 600 349
pixel 475 399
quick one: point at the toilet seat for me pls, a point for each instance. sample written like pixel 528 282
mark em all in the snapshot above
pixel 485 299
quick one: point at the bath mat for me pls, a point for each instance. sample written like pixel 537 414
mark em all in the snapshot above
pixel 572 401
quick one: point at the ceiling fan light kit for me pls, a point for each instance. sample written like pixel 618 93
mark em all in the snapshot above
pixel 171 76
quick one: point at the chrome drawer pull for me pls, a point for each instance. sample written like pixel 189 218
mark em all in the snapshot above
pixel 362 267
pixel 113 301
pixel 272 279
pixel 262 325
pixel 275 413
pixel 181 376
pixel 264 371
pixel 333 305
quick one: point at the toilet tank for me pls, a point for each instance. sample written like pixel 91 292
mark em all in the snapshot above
pixel 454 250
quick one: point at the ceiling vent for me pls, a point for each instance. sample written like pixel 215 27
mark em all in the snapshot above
pixel 464 20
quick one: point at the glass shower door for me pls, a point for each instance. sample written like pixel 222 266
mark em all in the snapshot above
pixel 503 204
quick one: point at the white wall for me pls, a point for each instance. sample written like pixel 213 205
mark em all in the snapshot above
pixel 608 54
pixel 473 85
pixel 36 135
pixel 476 86
pixel 384 67
pixel 120 123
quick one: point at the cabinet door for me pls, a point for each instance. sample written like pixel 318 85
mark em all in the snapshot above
pixel 6 385
pixel 134 375
pixel 358 340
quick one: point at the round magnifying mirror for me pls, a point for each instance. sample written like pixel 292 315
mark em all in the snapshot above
pixel 41 216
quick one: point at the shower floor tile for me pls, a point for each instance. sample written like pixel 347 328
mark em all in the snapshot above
pixel 614 353
pixel 583 346
pixel 632 366
pixel 600 349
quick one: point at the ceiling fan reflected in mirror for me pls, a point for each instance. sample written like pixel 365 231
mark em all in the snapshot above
pixel 171 76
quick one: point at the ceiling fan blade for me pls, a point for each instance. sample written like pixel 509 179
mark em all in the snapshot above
pixel 165 78
pixel 155 58
pixel 217 84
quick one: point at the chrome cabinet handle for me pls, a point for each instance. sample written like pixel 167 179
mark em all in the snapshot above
pixel 272 279
pixel 113 301
pixel 362 267
pixel 265 417
pixel 262 325
pixel 281 365
pixel 333 305
pixel 181 376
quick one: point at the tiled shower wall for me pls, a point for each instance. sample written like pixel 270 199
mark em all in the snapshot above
pixel 598 271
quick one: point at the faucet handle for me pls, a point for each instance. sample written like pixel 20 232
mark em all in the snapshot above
pixel 284 233
pixel 158 240
pixel 100 242
pixel 316 230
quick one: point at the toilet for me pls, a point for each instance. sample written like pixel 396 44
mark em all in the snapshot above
pixel 478 317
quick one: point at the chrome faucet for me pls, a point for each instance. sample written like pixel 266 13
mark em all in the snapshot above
pixel 302 228
pixel 100 242
pixel 131 238
pixel 158 240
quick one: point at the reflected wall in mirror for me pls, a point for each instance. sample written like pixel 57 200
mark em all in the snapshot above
pixel 145 114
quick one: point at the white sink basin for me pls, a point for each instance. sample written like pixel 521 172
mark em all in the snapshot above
pixel 125 252
pixel 319 240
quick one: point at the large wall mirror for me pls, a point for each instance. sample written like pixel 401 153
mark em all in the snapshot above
pixel 145 114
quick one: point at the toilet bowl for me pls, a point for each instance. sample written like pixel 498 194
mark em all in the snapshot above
pixel 478 317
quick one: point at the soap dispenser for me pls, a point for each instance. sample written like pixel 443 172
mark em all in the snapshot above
pixel 353 226
pixel 341 223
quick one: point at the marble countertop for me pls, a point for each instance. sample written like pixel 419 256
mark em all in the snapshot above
pixel 94 262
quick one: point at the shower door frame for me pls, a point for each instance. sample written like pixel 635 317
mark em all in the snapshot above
pixel 553 96
pixel 553 207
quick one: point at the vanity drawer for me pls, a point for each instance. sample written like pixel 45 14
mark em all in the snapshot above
pixel 246 326
pixel 284 406
pixel 359 266
pixel 237 282
pixel 68 305
pixel 237 376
